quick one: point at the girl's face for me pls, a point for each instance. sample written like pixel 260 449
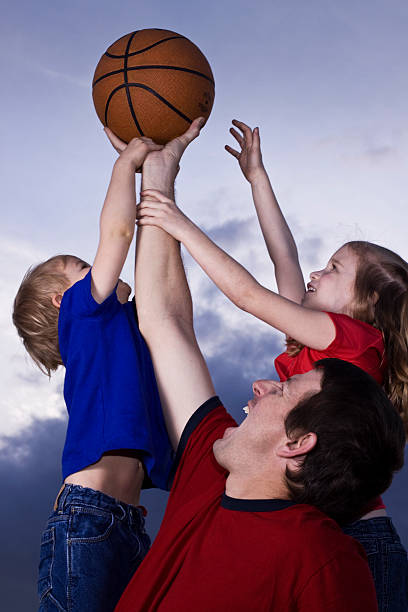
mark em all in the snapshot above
pixel 332 289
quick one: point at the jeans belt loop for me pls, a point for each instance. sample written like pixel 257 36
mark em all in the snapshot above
pixel 58 496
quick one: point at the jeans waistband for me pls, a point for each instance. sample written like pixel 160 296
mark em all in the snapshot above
pixel 71 494
pixel 380 526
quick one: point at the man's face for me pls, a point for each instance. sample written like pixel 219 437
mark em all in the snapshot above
pixel 263 430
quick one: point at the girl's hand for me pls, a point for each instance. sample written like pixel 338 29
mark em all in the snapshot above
pixel 250 157
pixel 155 209
pixel 136 151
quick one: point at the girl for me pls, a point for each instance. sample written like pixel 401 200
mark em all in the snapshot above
pixel 355 309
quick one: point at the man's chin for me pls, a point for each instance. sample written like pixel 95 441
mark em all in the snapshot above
pixel 220 447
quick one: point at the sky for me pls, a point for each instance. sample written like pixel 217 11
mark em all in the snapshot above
pixel 325 81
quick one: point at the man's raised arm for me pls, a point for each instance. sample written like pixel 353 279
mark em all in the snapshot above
pixel 164 304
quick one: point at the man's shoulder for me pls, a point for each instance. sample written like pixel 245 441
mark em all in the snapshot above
pixel 319 534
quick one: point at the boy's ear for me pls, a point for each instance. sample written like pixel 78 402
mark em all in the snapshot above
pixel 300 446
pixel 56 300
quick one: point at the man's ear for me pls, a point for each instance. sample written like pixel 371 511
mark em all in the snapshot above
pixel 56 300
pixel 300 446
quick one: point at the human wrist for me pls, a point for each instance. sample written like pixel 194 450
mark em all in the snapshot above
pixel 258 176
pixel 160 177
pixel 126 163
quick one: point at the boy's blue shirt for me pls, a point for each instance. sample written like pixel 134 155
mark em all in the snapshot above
pixel 110 389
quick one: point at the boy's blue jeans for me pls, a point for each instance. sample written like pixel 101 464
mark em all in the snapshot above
pixel 91 546
pixel 387 559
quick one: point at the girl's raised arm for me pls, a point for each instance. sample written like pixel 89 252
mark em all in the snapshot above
pixel 312 328
pixel 278 237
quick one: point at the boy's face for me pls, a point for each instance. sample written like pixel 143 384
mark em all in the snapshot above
pixel 75 270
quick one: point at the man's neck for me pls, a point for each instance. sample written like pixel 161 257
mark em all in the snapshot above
pixel 240 487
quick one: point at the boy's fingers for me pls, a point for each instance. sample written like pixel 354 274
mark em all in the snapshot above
pixel 152 146
pixel 115 140
pixel 232 151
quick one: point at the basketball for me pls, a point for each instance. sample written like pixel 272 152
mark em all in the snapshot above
pixel 152 83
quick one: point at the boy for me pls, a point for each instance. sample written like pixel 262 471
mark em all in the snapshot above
pixel 69 313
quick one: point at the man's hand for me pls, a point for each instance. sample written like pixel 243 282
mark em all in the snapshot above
pixel 136 151
pixel 249 158
pixel 160 167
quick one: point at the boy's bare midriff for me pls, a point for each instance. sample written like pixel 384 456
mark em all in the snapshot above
pixel 118 475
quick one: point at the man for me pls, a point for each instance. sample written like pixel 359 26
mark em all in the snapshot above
pixel 241 530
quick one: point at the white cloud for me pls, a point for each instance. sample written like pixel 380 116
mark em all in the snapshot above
pixel 27 393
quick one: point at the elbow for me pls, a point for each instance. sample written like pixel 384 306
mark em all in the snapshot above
pixel 123 232
pixel 244 298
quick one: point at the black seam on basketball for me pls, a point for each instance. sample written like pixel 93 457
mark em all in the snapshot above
pixel 152 91
pixel 129 99
pixel 159 42
pixel 189 70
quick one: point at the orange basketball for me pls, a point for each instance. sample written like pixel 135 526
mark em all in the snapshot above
pixel 152 83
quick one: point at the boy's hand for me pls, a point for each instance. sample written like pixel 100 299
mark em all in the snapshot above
pixel 158 210
pixel 136 151
pixel 250 157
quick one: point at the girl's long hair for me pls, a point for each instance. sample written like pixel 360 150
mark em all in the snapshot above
pixel 381 299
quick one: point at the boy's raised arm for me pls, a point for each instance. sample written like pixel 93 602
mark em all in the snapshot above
pixel 278 237
pixel 117 221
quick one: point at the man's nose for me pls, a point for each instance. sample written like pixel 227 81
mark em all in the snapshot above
pixel 260 387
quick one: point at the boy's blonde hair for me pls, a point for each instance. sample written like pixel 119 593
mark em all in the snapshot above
pixel 34 314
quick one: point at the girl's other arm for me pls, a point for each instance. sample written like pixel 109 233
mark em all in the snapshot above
pixel 118 216
pixel 312 328
pixel 278 237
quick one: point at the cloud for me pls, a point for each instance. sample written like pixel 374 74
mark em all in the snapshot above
pixel 30 474
pixel 28 393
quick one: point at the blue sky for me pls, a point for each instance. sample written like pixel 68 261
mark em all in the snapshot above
pixel 326 81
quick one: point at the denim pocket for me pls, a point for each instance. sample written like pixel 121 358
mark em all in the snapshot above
pixel 90 524
pixel 46 562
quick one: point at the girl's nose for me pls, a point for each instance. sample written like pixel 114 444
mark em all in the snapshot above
pixel 315 275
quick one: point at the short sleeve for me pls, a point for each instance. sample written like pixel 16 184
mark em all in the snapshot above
pixel 195 466
pixel 78 301
pixel 352 338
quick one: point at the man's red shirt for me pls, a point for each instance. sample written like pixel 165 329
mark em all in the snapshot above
pixel 215 553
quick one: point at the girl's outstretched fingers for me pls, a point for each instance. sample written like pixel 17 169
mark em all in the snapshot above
pixel 245 129
pixel 155 193
pixel 237 137
pixel 233 152
pixel 256 140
